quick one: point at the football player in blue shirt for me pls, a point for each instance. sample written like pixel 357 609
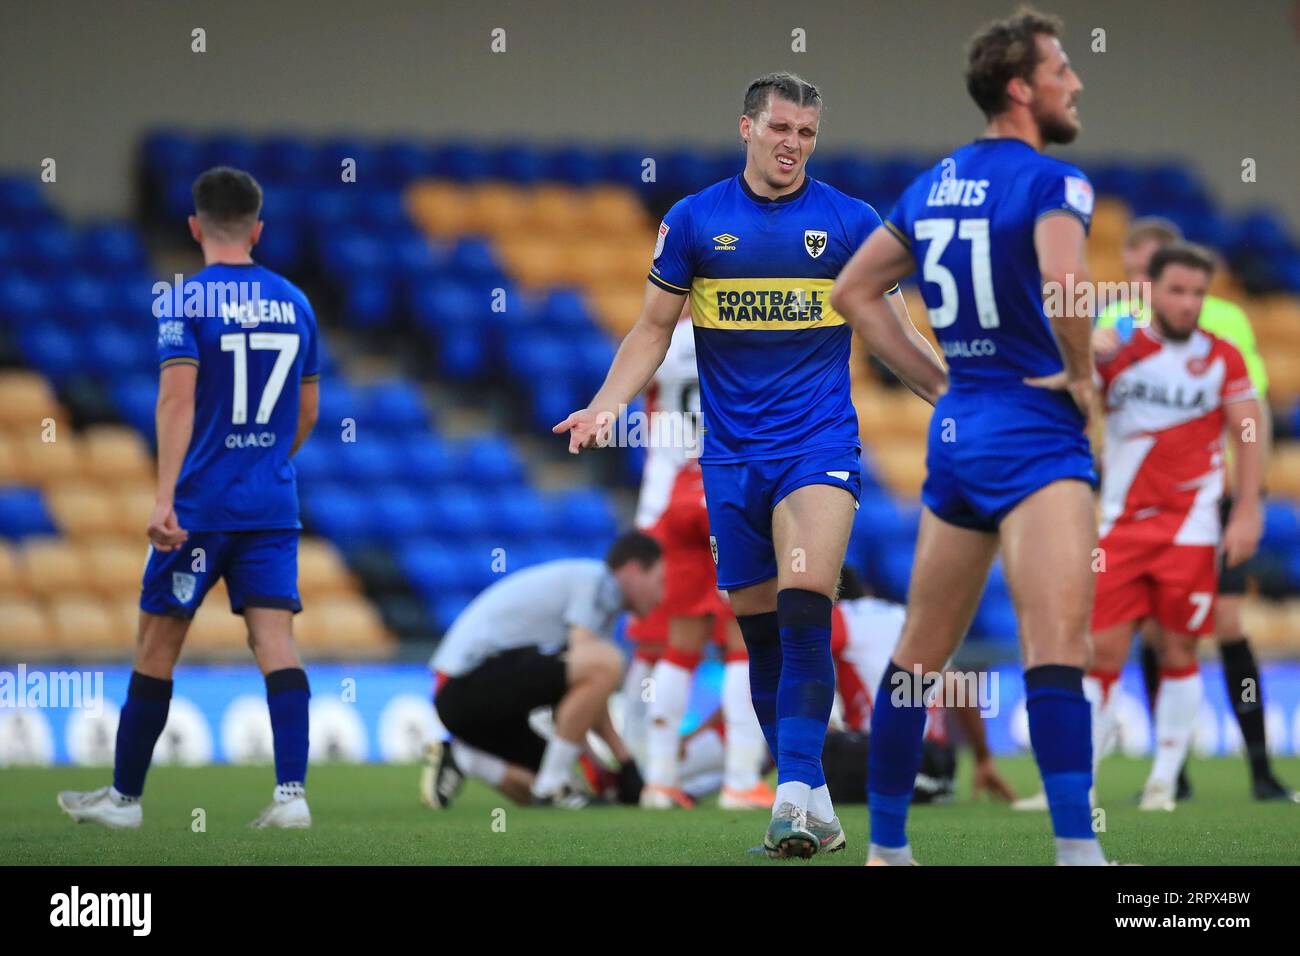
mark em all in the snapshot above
pixel 757 254
pixel 998 230
pixel 238 396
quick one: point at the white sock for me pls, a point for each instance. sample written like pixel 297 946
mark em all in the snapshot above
pixel 746 748
pixel 819 804
pixel 1178 703
pixel 1079 852
pixel 634 709
pixel 478 764
pixel 556 761
pixel 1099 702
pixel 792 792
pixel 285 792
pixel 672 688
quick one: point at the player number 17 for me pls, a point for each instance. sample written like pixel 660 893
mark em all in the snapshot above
pixel 286 344
pixel 939 232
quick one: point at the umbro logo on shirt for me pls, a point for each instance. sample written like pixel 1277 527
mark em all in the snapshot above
pixel 726 242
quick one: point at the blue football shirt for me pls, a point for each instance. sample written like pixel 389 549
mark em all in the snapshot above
pixel 773 356
pixel 969 222
pixel 253 336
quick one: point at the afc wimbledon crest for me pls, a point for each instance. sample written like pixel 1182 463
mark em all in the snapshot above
pixel 814 240
pixel 183 586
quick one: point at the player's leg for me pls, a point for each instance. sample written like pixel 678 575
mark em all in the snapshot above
pixel 810 532
pixel 1178 704
pixel 174 585
pixel 592 672
pixel 1048 543
pixel 1245 689
pixel 1110 647
pixel 671 685
pixel 741 539
pixel 948 575
pixel 262 578
pixel 746 750
pixel 270 636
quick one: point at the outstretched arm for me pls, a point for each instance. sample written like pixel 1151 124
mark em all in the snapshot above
pixel 638 358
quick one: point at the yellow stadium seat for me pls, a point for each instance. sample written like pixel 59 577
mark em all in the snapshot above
pixel 554 212
pixel 26 625
pixel 44 462
pixel 440 209
pixel 321 571
pixel 1283 477
pixel 133 504
pixel 115 567
pixel 83 621
pixel 12 471
pixel 117 452
pixel 496 209
pixel 534 262
pixel 10 573
pixel 618 311
pixel 339 624
pixel 614 211
pixel 53 567
pixel 82 510
pixel 901 465
pixel 215 630
pixel 26 399
pixel 125 610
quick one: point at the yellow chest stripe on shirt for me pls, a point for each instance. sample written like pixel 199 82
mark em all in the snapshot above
pixel 763 304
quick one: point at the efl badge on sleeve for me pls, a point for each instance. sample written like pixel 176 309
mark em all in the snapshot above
pixel 659 243
pixel 1078 194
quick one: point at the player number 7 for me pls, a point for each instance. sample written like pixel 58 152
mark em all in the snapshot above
pixel 286 344
pixel 1202 601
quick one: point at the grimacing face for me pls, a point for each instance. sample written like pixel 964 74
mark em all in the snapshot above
pixel 1056 90
pixel 779 142
pixel 1176 300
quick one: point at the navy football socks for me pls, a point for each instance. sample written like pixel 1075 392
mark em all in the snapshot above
pixel 139 726
pixel 287 694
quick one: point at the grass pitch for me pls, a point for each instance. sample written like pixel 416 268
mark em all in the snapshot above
pixel 371 815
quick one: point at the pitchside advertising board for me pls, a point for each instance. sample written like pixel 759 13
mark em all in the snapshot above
pixel 383 713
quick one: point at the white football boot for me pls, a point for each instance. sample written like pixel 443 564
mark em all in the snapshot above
pixel 289 815
pixel 1158 797
pixel 102 807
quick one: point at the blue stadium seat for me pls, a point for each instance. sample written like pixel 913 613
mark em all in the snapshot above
pixel 1281 526
pixel 57 353
pixel 400 161
pixel 995 620
pixel 371 458
pixel 402 513
pixel 581 514
pixel 22 513
pixel 521 511
pixel 112 247
pixel 521 163
pixel 51 249
pixel 23 301
pixel 473 258
pixel 343 515
pixel 136 399
pixel 396 407
pixel 228 149
pixel 428 462
pixel 23 200
pixel 462 512
pixel 169 153
pixel 464 162
pixel 370 302
pixel 575 166
pixel 487 461
pixel 288 161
